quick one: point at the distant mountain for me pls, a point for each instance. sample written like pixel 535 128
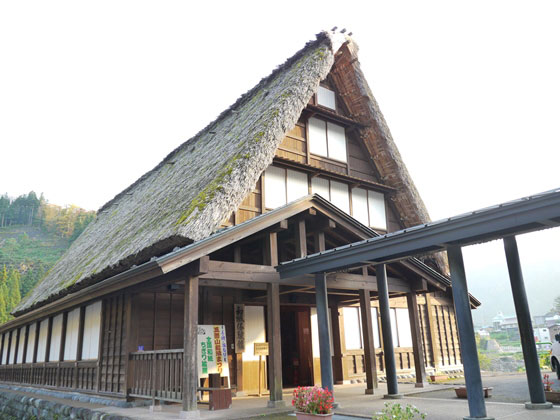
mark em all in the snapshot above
pixel 491 286
pixel 33 236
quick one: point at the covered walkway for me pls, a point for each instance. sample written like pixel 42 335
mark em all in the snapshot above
pixel 503 221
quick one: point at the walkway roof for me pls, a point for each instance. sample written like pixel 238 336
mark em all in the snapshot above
pixel 526 214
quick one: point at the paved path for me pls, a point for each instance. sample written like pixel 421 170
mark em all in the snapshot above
pixel 439 401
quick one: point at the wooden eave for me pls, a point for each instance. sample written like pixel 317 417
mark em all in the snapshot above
pixel 331 115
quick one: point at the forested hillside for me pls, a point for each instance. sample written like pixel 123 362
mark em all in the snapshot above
pixel 33 235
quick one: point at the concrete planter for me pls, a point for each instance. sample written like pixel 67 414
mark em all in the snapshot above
pixel 309 416
pixel 435 378
pixel 553 396
pixel 462 392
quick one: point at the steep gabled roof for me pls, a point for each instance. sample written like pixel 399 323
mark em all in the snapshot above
pixel 194 189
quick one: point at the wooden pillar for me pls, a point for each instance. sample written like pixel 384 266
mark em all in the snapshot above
pixel 469 354
pixel 324 332
pixel 275 346
pixel 300 239
pixel 417 349
pixel 190 336
pixel 369 346
pixel 338 368
pixel 128 343
pixel 433 331
pixel 530 356
pixel 388 348
pixel 273 327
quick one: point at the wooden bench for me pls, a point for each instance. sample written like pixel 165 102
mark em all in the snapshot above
pixel 219 398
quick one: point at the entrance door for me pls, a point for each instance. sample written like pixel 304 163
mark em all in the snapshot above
pixel 296 346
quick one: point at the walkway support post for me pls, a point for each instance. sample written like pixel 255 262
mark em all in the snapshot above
pixel 275 346
pixel 369 348
pixel 388 348
pixel 417 349
pixel 324 331
pixel 190 366
pixel 469 354
pixel 536 388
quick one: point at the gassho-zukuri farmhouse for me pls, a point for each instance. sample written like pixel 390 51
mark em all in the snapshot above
pixel 174 286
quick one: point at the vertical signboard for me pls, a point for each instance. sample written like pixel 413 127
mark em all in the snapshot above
pixel 239 316
pixel 212 350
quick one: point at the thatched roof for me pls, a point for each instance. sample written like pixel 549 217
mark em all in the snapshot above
pixel 188 195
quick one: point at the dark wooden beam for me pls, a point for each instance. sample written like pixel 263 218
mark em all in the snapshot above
pixel 190 366
pixel 274 345
pixel 300 238
pixel 369 347
pixel 417 349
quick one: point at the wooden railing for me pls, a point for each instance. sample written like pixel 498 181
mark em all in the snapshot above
pixel 157 374
pixel 79 375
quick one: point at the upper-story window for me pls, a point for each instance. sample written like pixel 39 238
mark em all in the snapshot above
pixel 326 98
pixel 327 139
pixel 368 207
pixel 282 186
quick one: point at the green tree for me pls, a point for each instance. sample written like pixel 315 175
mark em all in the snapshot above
pixel 14 296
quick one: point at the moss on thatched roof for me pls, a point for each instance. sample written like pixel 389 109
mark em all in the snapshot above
pixel 188 195
pixel 196 187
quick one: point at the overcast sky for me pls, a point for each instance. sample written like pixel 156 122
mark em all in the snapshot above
pixel 94 94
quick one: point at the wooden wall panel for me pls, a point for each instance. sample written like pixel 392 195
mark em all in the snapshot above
pixel 113 354
pixel 359 162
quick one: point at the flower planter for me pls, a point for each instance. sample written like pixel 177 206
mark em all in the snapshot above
pixel 435 378
pixel 553 396
pixel 461 392
pixel 309 416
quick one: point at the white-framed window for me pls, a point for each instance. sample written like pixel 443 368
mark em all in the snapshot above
pixel 21 345
pixel 13 347
pixel 334 191
pixel 352 327
pixel 326 97
pixel 403 327
pixel 375 325
pixel 31 343
pixel 56 338
pixel 327 139
pixel 92 328
pixel 368 207
pixel 282 186
pixel 42 345
pixel 72 331
pixel 6 340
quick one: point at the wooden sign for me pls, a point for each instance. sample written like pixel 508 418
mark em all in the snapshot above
pixel 212 350
pixel 261 349
pixel 239 323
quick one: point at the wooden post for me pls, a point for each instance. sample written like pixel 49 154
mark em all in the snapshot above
pixel 389 351
pixel 338 371
pixel 433 330
pixel 273 327
pixel 324 332
pixel 100 347
pixel 369 346
pixel 300 239
pixel 417 349
pixel 530 355
pixel 190 365
pixel 469 354
pixel 260 375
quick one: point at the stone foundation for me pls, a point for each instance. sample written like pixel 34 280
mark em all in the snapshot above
pixel 21 407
